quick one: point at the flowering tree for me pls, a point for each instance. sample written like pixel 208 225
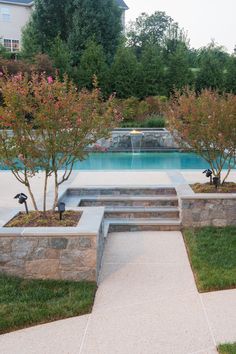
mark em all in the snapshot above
pixel 206 124
pixel 62 123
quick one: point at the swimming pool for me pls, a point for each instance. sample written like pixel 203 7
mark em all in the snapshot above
pixel 142 161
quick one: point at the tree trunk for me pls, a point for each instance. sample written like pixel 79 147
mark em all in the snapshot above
pixel 56 187
pixel 32 197
pixel 45 192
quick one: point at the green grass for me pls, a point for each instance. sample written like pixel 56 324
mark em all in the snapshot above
pixel 227 348
pixel 25 303
pixel 212 253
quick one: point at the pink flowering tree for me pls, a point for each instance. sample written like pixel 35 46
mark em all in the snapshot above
pixel 206 123
pixel 58 125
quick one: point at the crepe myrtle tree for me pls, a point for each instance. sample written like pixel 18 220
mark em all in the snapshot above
pixel 206 124
pixel 63 123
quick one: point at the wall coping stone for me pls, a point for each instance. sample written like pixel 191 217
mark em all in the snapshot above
pixel 211 196
pixel 89 224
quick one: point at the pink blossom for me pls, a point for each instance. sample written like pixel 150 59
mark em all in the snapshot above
pixel 1 73
pixel 50 79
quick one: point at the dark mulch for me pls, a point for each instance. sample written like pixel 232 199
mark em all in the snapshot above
pixel 227 187
pixel 50 218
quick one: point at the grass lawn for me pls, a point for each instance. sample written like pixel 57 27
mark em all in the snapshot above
pixel 212 253
pixel 227 348
pixel 25 303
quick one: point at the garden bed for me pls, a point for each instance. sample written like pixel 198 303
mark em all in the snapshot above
pixel 212 254
pixel 26 303
pixel 50 218
pixel 227 348
pixel 227 187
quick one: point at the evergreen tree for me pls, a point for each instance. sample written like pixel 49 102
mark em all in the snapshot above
pixel 61 57
pixel 98 20
pixel 212 65
pixel 231 75
pixel 92 62
pixel 124 73
pixel 49 19
pixel 178 73
pixel 152 72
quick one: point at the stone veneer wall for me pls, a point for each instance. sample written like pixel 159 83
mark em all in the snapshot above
pixel 208 211
pixel 52 257
pixel 153 139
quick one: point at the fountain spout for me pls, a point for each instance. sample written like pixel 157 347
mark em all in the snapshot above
pixel 136 140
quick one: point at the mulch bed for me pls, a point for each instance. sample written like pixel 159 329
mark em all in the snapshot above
pixel 227 187
pixel 49 218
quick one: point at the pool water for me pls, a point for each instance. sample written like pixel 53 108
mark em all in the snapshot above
pixel 142 161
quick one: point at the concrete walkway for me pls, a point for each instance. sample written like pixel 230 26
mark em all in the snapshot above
pixel 147 303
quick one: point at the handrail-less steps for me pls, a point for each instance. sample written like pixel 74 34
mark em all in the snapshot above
pixel 131 208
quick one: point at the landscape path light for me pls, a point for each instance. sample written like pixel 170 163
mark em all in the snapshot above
pixel 61 209
pixel 216 181
pixel 208 174
pixel 22 198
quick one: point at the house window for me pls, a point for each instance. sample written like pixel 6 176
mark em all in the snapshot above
pixel 15 45
pixel 5 14
pixel 11 45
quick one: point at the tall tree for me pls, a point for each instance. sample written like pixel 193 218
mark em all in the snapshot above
pixel 74 22
pixel 152 72
pixel 98 20
pixel 212 64
pixel 49 19
pixel 178 73
pixel 92 62
pixel 231 75
pixel 148 29
pixel 124 73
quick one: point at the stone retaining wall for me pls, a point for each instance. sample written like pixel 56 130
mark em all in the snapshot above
pixel 208 211
pixel 72 253
pixel 66 257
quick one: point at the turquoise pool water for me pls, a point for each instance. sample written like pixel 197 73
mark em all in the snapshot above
pixel 142 161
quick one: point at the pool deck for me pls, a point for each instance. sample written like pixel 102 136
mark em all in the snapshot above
pixel 147 301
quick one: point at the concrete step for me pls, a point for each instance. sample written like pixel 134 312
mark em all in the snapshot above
pixel 109 201
pixel 137 212
pixel 131 225
pixel 121 191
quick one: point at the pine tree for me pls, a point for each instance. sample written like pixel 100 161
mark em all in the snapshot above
pixel 124 73
pixel 92 62
pixel 151 72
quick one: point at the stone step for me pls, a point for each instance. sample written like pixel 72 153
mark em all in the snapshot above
pixel 132 225
pixel 121 191
pixel 109 201
pixel 136 212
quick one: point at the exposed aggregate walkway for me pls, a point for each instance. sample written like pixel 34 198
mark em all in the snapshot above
pixel 146 303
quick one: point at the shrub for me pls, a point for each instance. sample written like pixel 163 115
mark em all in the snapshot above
pixel 155 122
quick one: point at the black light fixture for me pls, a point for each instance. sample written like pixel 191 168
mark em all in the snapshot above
pixel 22 200
pixel 216 181
pixel 61 209
pixel 208 174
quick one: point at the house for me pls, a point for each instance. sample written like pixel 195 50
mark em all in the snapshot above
pixel 14 14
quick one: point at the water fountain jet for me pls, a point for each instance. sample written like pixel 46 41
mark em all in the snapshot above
pixel 136 140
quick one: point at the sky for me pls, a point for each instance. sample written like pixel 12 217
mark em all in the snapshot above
pixel 203 20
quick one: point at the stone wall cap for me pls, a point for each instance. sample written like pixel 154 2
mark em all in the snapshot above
pixel 209 196
pixel 89 225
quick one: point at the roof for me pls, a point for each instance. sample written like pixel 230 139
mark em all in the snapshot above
pixel 122 4
pixel 17 2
